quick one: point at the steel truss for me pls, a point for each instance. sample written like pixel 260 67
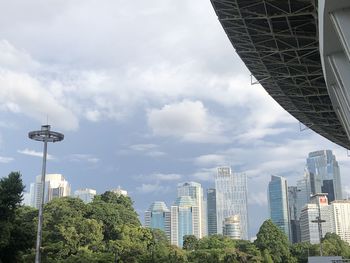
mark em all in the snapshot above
pixel 278 42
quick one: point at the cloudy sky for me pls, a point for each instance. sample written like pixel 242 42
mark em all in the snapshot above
pixel 147 93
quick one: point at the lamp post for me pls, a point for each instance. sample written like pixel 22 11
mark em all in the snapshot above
pixel 44 135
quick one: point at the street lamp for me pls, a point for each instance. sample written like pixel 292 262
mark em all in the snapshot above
pixel 44 135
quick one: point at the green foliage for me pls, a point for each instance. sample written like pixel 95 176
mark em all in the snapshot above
pixel 272 239
pixel 190 242
pixel 108 230
pixel 13 237
pixel 334 246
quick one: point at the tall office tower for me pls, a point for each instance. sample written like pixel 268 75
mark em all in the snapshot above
pixel 185 219
pixel 85 194
pixel 158 216
pixel 119 191
pixel 340 211
pixel 26 199
pixel 303 192
pixel 318 206
pixel 211 211
pixel 55 186
pixel 231 227
pixel 278 203
pixel 231 198
pixel 324 174
pixel 195 191
pixel 293 216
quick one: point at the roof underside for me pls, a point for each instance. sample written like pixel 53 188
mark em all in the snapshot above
pixel 278 42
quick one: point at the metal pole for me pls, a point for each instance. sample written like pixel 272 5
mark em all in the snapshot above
pixel 320 227
pixel 41 207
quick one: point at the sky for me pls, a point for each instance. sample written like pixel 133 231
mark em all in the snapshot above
pixel 148 94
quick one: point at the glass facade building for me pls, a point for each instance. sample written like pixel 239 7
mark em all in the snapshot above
pixel 231 198
pixel 184 220
pixel 278 203
pixel 86 194
pixel 158 216
pixel 195 191
pixel 211 211
pixel 324 174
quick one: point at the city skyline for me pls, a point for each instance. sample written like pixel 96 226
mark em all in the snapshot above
pixel 143 110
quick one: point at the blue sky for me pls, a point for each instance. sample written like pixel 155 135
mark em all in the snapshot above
pixel 147 93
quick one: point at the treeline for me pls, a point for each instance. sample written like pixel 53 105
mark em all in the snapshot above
pixel 108 230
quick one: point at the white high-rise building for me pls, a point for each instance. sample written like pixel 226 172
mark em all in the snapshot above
pixel 195 191
pixel 86 194
pixel 309 230
pixel 119 191
pixel 231 198
pixel 55 186
pixel 185 220
pixel 340 213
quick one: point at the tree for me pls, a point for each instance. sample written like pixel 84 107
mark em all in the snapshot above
pixel 301 251
pixel 271 238
pixel 333 245
pixel 67 230
pixel 11 188
pixel 190 242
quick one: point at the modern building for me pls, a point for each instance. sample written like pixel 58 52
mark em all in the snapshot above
pixel 119 191
pixel 195 191
pixel 278 203
pixel 303 192
pixel 211 211
pixel 340 214
pixel 231 198
pixel 324 174
pixel 158 217
pixel 185 219
pixel 232 227
pixel 293 214
pixel 317 208
pixel 85 194
pixel 55 186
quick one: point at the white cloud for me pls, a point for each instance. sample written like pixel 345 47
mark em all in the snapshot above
pixel 212 159
pixel 152 188
pixel 205 174
pixel 79 157
pixel 188 120
pixel 35 153
pixel 159 177
pixel 146 149
pixel 143 147
pixel 258 198
pixel 6 159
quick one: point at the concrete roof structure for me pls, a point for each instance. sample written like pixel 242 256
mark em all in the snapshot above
pixel 279 43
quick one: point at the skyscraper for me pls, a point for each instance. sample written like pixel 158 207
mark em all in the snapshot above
pixel 278 203
pixel 231 198
pixel 293 214
pixel 86 194
pixel 318 206
pixel 324 174
pixel 185 220
pixel 195 191
pixel 158 216
pixel 119 191
pixel 340 211
pixel 55 186
pixel 211 211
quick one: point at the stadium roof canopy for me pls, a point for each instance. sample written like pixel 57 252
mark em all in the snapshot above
pixel 278 42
